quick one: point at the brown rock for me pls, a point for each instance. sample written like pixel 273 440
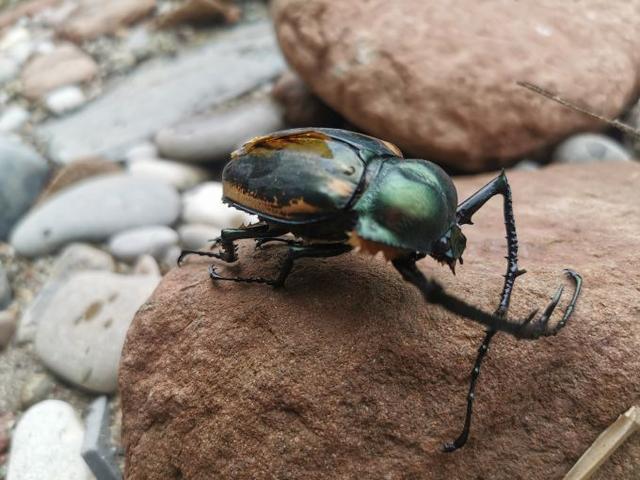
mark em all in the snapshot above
pixel 200 12
pixel 95 18
pixel 346 373
pixel 439 79
pixel 65 65
pixel 77 171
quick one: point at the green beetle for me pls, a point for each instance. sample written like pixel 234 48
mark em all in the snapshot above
pixel 336 190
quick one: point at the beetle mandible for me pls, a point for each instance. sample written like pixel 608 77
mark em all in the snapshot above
pixel 337 190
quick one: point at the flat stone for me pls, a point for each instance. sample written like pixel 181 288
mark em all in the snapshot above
pixel 13 118
pixel 81 213
pixel 46 444
pixel 194 236
pixel 215 136
pixel 154 96
pixel 153 240
pixel 66 65
pixel 590 147
pixel 177 174
pixel 439 80
pixel 203 204
pixel 81 337
pixel 97 450
pixel 95 18
pixel 65 99
pixel 347 372
pixel 76 257
pixel 23 173
pixel 5 289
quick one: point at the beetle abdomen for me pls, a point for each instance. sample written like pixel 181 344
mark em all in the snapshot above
pixel 297 175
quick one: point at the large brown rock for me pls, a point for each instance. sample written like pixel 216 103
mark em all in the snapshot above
pixel 346 373
pixel 438 78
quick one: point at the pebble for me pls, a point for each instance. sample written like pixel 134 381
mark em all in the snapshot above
pixel 146 265
pixel 8 70
pixel 81 337
pixel 13 118
pixel 215 136
pixel 590 147
pixel 194 236
pixel 141 151
pixel 23 173
pixel 36 389
pixel 17 44
pixel 65 99
pixel 170 258
pixel 8 320
pixel 179 175
pixel 66 65
pixel 528 165
pixel 5 289
pixel 94 210
pixel 203 204
pixel 76 257
pixel 46 444
pixel 131 244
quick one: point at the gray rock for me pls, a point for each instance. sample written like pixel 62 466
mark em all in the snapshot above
pixel 81 337
pixel 97 450
pixel 131 244
pixel 23 173
pixel 94 210
pixel 65 99
pixel 146 265
pixel 177 174
pixel 194 236
pixel 75 258
pixel 154 96
pixel 203 204
pixel 590 147
pixel 13 118
pixel 215 136
pixel 46 444
pixel 5 289
pixel 36 389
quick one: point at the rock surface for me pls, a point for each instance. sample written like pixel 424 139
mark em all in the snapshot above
pixel 153 240
pixel 346 373
pixel 81 337
pixel 22 175
pixel 46 444
pixel 438 80
pixel 93 210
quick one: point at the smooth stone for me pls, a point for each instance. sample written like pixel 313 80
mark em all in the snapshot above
pixel 94 210
pixel 177 174
pixel 66 65
pixel 215 136
pixel 141 151
pixel 81 336
pixel 8 323
pixel 194 236
pixel 528 165
pixel 5 289
pixel 154 95
pixel 8 70
pixel 23 173
pixel 590 147
pixel 146 265
pixel 131 244
pixel 76 257
pixel 46 444
pixel 95 18
pixel 438 79
pixel 203 204
pixel 170 257
pixel 65 99
pixel 36 389
pixel 17 44
pixel 13 118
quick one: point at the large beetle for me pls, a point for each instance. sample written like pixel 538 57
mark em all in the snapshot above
pixel 336 190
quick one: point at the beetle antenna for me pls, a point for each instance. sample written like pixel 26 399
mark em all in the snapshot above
pixel 623 127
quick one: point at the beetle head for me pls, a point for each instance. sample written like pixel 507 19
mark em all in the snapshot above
pixel 450 247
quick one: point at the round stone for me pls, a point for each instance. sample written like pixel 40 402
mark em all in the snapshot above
pixel 590 147
pixel 65 99
pixel 94 210
pixel 439 80
pixel 194 236
pixel 131 244
pixel 203 204
pixel 179 175
pixel 13 118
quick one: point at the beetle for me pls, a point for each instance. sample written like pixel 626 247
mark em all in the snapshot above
pixel 336 190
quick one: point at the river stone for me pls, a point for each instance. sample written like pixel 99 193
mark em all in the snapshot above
pixel 5 289
pixel 81 336
pixel 203 204
pixel 131 244
pixel 22 175
pixel 347 373
pixel 590 147
pixel 439 80
pixel 180 175
pixel 94 210
pixel 46 444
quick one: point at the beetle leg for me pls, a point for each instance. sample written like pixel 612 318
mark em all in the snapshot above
pixel 261 241
pixel 294 252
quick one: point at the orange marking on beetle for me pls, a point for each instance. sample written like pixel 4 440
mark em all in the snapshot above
pixel 305 141
pixel 372 248
pixel 393 148
pixel 341 187
pixel 295 207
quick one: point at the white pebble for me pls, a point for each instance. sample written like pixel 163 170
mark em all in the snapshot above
pixel 203 204
pixel 131 244
pixel 65 99
pixel 13 118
